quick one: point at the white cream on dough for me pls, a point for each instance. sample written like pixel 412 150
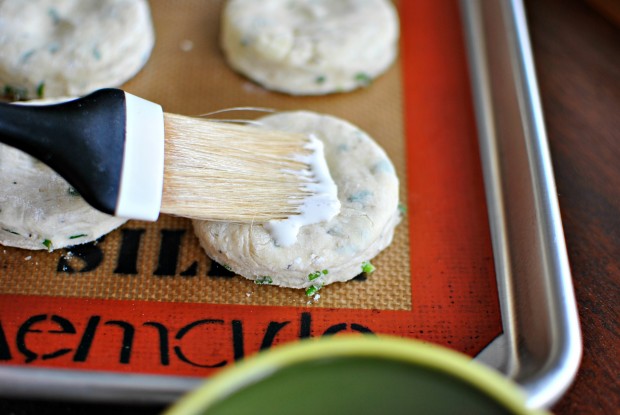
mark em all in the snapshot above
pixel 321 206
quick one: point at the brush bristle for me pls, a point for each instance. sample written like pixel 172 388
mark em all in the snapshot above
pixel 227 172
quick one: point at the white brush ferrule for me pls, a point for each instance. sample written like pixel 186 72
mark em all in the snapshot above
pixel 142 175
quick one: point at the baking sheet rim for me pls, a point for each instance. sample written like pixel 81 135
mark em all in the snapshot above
pixel 19 381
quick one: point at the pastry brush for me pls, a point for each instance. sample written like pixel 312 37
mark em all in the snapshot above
pixel 128 158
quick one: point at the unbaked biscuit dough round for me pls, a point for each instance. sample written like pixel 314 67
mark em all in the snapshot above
pixel 39 209
pixel 51 48
pixel 332 251
pixel 310 47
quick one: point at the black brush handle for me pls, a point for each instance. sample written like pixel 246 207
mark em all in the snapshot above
pixel 82 140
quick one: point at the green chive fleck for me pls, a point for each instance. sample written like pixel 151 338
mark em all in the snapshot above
pixel 402 208
pixel 266 280
pixel 47 243
pixel 27 56
pixel 41 90
pixel 367 267
pixel 227 267
pixel 81 235
pixel 15 93
pixel 53 47
pixel 313 289
pixel 53 14
pixel 319 79
pixel 314 276
pixel 363 78
pixel 96 53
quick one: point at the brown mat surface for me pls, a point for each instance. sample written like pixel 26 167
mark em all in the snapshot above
pixel 163 261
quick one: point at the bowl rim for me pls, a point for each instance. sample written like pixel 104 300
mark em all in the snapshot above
pixel 431 356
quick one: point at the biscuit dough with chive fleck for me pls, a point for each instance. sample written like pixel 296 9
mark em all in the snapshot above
pixel 310 47
pixel 39 209
pixel 51 48
pixel 326 252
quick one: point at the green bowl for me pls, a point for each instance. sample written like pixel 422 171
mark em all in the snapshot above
pixel 356 375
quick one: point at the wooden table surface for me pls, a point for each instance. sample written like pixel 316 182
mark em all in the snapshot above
pixel 577 55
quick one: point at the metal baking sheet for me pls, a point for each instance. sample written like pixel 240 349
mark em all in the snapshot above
pixel 540 346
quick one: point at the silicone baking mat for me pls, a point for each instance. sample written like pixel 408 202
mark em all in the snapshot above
pixel 146 299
